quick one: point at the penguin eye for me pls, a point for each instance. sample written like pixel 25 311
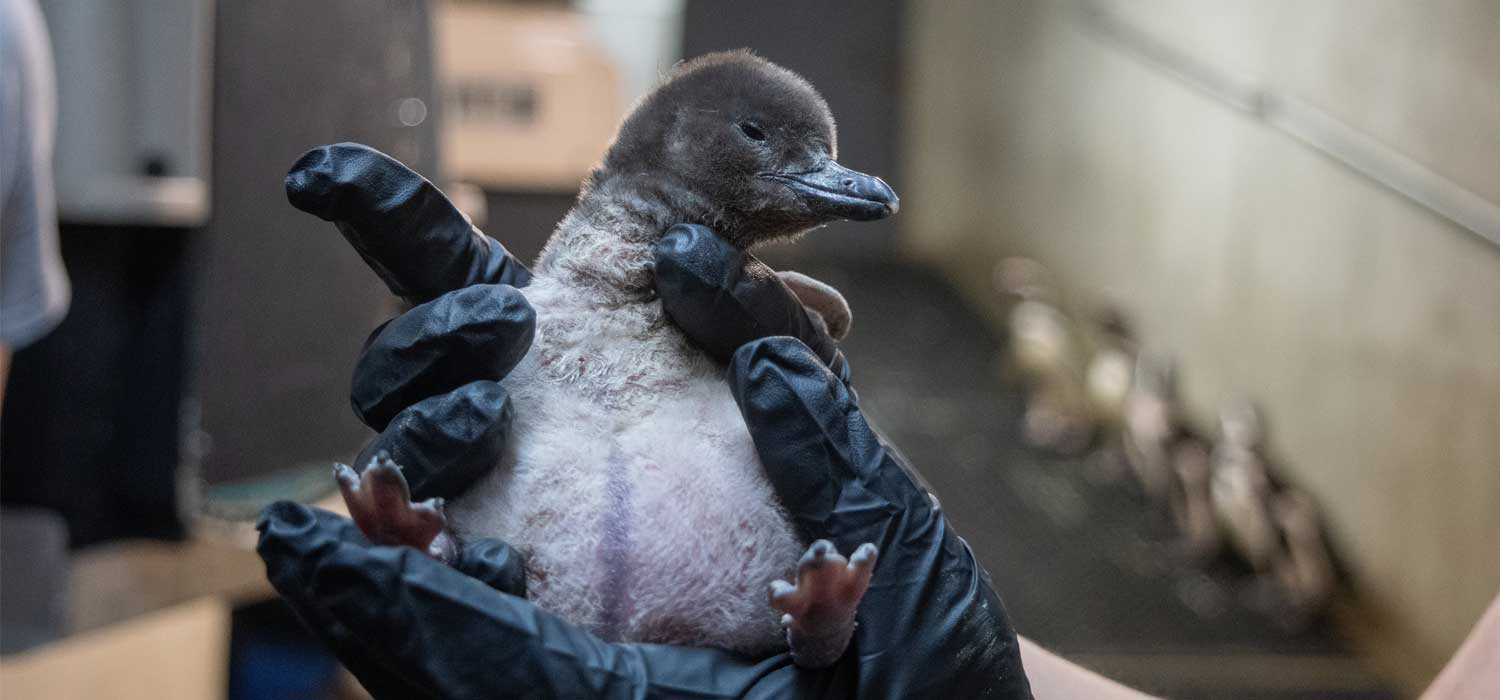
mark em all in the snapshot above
pixel 752 131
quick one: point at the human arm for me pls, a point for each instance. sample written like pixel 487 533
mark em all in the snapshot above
pixel 1055 678
pixel 1474 671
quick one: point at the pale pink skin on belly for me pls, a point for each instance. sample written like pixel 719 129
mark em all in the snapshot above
pixel 632 484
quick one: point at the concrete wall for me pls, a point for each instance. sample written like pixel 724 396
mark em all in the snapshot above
pixel 1368 326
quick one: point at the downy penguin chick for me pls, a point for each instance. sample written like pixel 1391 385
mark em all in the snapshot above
pixel 1305 568
pixel 630 480
pixel 1110 369
pixel 1192 500
pixel 1043 350
pixel 1153 423
pixel 1107 381
pixel 1242 486
pixel 1169 458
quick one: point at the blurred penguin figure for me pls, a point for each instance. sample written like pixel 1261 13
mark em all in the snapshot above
pixel 1045 355
pixel 1170 461
pixel 1152 426
pixel 1274 527
pixel 1192 500
pixel 1304 567
pixel 1110 370
pixel 1107 381
pixel 1242 487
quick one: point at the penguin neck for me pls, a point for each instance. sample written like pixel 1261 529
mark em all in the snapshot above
pixel 604 246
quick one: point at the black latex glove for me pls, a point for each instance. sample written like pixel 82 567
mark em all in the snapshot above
pixel 723 297
pixel 405 228
pixel 930 625
pixel 427 381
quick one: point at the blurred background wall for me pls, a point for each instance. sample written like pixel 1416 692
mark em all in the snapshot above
pixel 1367 325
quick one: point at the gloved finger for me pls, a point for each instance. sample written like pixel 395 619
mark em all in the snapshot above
pixel 295 522
pixel 494 563
pixel 475 333
pixel 722 297
pixel 409 626
pixel 404 227
pixel 446 442
pixel 828 466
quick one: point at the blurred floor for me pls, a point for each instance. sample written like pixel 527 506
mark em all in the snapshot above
pixel 1081 567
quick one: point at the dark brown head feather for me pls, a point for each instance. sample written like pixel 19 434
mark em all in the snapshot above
pixel 697 145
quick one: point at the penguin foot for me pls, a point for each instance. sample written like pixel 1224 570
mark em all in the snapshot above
pixel 379 501
pixel 818 612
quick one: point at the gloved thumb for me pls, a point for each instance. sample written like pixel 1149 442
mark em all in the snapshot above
pixel 722 297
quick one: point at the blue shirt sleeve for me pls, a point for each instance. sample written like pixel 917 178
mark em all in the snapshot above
pixel 34 290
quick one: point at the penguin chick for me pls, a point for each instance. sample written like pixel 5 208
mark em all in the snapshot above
pixel 1044 353
pixel 630 480
pixel 1107 379
pixel 1192 502
pixel 1242 487
pixel 1305 568
pixel 1110 369
pixel 1153 424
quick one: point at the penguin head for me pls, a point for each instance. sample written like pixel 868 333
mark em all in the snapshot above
pixel 749 148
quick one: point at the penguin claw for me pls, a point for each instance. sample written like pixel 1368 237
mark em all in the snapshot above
pixel 818 611
pixel 379 502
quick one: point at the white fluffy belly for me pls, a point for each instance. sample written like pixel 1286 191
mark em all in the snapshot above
pixel 632 484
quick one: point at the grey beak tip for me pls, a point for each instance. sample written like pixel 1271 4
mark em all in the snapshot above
pixel 837 192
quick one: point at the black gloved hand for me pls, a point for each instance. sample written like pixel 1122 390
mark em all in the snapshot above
pixel 930 625
pixel 408 626
pixel 427 381
pixel 723 297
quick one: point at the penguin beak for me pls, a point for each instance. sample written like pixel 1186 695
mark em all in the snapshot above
pixel 836 192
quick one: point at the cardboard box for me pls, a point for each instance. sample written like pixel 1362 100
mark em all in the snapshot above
pixel 530 99
pixel 181 653
pixel 114 582
pixel 119 581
